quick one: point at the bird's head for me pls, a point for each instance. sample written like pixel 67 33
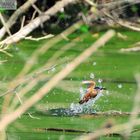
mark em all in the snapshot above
pixel 99 89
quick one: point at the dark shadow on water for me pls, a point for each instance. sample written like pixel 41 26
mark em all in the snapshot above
pixel 67 112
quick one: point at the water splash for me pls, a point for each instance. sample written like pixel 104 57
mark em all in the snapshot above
pixel 92 76
pixel 107 92
pixel 85 107
pixel 76 108
pixel 94 63
pixel 82 92
pixel 119 85
pixel 100 80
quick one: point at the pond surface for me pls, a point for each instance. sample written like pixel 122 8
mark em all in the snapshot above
pixel 55 118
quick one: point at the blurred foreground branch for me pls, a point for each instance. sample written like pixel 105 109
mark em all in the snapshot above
pixel 134 48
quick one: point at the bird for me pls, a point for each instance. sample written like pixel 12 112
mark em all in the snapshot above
pixel 91 92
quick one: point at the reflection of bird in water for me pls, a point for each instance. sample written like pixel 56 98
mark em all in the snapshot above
pixel 91 91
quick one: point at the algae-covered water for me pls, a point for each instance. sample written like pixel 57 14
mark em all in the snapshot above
pixel 109 67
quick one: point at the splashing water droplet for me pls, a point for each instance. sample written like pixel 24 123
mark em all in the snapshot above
pixel 92 76
pixel 107 92
pixel 100 80
pixel 86 107
pixel 94 63
pixel 16 48
pixel 82 92
pixel 76 108
pixel 119 85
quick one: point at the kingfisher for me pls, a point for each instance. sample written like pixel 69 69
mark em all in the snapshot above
pixel 91 92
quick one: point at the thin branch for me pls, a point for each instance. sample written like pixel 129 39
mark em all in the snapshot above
pixel 1 62
pixel 128 25
pixel 39 38
pixel 34 14
pixel 23 21
pixel 4 24
pixel 90 3
pixel 5 52
pixel 123 23
pixel 36 9
pixel 134 49
pixel 21 104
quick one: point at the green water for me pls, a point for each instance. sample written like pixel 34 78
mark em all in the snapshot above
pixel 117 69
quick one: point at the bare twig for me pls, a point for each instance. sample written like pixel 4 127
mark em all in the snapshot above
pixel 21 104
pixel 128 25
pixel 1 62
pixel 90 3
pixel 123 23
pixel 34 14
pixel 4 49
pixel 5 52
pixel 39 38
pixel 36 9
pixel 22 23
pixel 134 49
pixel 4 24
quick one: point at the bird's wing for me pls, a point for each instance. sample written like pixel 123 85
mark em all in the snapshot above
pixel 89 82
